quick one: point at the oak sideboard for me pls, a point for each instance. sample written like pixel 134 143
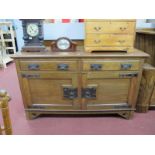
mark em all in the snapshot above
pixel 79 82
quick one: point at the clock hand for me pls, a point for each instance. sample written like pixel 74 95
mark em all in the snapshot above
pixel 32 28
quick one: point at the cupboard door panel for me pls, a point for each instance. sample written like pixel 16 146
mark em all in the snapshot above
pixel 111 90
pixel 57 91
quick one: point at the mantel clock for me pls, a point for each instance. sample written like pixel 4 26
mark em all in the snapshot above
pixel 33 35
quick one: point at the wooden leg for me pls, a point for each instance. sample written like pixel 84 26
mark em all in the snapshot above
pixel 32 115
pixel 142 109
pixel 126 114
pixel 5 112
pixel 8 131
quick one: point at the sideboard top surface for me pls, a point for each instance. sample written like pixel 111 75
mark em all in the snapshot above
pixel 80 54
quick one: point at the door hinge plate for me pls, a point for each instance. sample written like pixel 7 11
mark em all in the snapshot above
pixel 128 75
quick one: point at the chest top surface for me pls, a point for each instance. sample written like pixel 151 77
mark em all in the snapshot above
pixel 80 54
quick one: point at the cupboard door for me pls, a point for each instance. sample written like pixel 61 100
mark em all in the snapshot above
pixel 54 91
pixel 109 90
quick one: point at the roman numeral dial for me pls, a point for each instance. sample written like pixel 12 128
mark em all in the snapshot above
pixel 32 30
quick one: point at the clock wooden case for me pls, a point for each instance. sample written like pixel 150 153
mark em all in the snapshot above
pixel 63 44
pixel 33 35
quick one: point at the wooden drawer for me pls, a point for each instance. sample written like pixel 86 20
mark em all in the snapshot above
pixel 108 20
pixel 100 65
pixel 49 65
pixel 110 27
pixel 109 40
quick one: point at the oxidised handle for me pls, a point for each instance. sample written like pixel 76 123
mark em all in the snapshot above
pixel 63 67
pixel 96 67
pixel 89 93
pixel 33 66
pixel 30 76
pixel 128 75
pixel 70 93
pixel 126 66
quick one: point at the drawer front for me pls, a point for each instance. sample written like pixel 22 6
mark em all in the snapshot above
pixel 110 27
pixel 100 65
pixel 109 40
pixel 49 65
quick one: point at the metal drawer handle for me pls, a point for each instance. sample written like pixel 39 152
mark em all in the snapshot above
pixel 63 67
pixel 128 75
pixel 97 28
pixel 96 67
pixel 121 41
pixel 33 66
pixel 126 66
pixel 97 41
pixel 123 28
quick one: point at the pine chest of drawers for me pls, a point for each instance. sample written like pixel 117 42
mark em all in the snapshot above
pixel 111 35
pixel 79 82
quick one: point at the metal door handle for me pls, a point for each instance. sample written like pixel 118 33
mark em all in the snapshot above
pixel 70 93
pixel 89 93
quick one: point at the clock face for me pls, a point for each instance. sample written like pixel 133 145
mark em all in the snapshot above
pixel 32 30
pixel 63 44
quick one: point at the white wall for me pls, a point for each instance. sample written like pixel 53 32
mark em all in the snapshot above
pixel 141 23
pixel 71 30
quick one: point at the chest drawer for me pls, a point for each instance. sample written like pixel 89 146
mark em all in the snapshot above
pixel 100 65
pixel 109 40
pixel 49 65
pixel 110 27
